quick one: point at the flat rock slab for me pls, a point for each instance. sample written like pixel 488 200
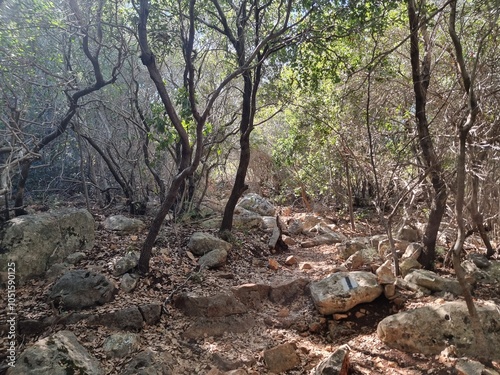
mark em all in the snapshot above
pixel 78 289
pixel 341 291
pixel 214 306
pixel 251 295
pixel 58 354
pixel 287 291
pixel 323 239
pixel 434 282
pixel 430 329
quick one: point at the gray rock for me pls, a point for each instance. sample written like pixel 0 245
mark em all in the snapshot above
pixel 287 291
pixel 341 291
pixel 430 329
pixel 78 289
pixel 128 282
pixel 408 265
pixel 434 282
pixel 58 354
pixel 324 239
pixel 151 313
pixel 351 246
pixel 251 295
pixel 147 363
pixel 384 247
pixel 129 318
pixel 119 345
pixel 479 260
pixel 255 203
pixel 466 366
pixel 384 273
pixel 123 224
pixel 202 243
pixel 214 306
pixel 413 250
pixel 294 226
pixel 336 364
pixel 355 261
pixel 244 219
pixel 125 263
pixel 269 223
pixel 214 259
pixel 281 358
pixel 54 235
pixel 408 234
pixel 75 257
pixel 56 270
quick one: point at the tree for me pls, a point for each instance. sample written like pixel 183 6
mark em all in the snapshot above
pixel 58 74
pixel 421 74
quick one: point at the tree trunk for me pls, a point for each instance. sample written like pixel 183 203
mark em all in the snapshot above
pixel 421 77
pixel 246 125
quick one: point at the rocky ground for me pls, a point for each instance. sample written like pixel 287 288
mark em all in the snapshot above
pixel 243 345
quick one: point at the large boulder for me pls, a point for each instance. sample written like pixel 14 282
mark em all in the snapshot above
pixel 255 203
pixel 341 291
pixel 36 242
pixel 78 289
pixel 58 354
pixel 430 329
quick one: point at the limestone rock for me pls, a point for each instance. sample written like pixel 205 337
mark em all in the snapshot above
pixel 407 233
pixel 214 259
pixel 269 223
pixel 407 265
pixel 324 239
pixel 78 289
pixel 202 243
pixel 281 358
pixel 384 273
pixel 413 250
pixel 291 260
pixel 129 318
pixel 342 291
pixel 430 329
pixel 58 354
pixel 214 306
pixel 147 363
pixel 336 364
pixel 434 282
pixel 128 282
pixel 384 247
pixel 125 264
pixel 251 295
pixel 466 366
pixel 287 291
pixel 245 219
pixel 355 261
pixel 351 246
pixel 54 235
pixel 255 203
pixel 123 224
pixel 119 345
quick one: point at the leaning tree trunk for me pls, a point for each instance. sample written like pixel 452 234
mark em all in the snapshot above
pixel 421 78
pixel 246 125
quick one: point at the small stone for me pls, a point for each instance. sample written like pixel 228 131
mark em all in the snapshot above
pixel 214 259
pixel 281 358
pixel 389 291
pixel 75 257
pixel 305 266
pixel 273 264
pixel 291 260
pixel 359 314
pixel 340 316
pixel 385 274
pixel 128 282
